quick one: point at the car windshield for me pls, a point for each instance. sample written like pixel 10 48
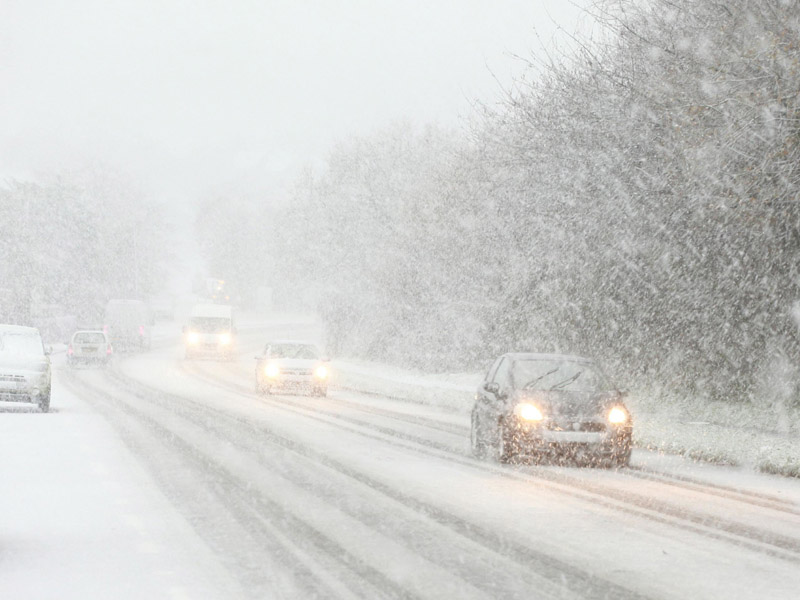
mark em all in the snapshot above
pixel 552 374
pixel 89 337
pixel 210 324
pixel 306 351
pixel 20 344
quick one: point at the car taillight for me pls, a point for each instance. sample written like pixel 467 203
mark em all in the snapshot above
pixel 105 328
pixel 108 349
pixel 70 351
pixel 141 329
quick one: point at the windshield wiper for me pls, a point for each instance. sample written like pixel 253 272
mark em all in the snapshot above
pixel 567 381
pixel 532 381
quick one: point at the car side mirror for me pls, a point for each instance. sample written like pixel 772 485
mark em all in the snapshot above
pixel 492 387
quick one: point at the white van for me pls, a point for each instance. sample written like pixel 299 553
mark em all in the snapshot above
pixel 211 331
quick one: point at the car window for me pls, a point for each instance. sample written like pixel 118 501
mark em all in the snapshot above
pixel 493 369
pixel 304 351
pixel 538 374
pixel 210 324
pixel 501 376
pixel 89 337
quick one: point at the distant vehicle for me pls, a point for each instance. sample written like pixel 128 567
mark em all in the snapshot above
pixel 89 347
pixel 24 367
pixel 127 324
pixel 211 332
pixel 550 405
pixel 292 365
pixel 162 307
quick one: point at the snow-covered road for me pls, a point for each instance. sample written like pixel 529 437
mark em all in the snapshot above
pixel 167 478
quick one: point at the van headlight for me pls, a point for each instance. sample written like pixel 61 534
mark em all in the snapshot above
pixel 272 370
pixel 225 339
pixel 321 372
pixel 193 337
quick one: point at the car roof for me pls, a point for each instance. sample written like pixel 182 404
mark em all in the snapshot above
pixel 19 329
pixel 540 356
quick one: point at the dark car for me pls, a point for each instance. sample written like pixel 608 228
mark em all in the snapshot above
pixel 550 406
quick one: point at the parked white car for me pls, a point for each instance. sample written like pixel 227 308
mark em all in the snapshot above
pixel 89 347
pixel 291 365
pixel 24 367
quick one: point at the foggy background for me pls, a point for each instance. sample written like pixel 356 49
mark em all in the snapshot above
pixel 185 96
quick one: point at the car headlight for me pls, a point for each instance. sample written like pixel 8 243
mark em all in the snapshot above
pixel 528 412
pixel 617 415
pixel 272 370
pixel 321 372
pixel 225 339
pixel 193 337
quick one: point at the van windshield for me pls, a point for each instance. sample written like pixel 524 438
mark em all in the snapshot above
pixel 210 324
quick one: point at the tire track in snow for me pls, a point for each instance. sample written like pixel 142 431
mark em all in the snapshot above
pixel 558 573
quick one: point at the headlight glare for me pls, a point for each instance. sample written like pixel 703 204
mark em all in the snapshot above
pixel 321 372
pixel 193 337
pixel 528 412
pixel 617 415
pixel 225 339
pixel 272 370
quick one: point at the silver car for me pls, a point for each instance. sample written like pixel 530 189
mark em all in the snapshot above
pixel 292 366
pixel 24 367
pixel 89 347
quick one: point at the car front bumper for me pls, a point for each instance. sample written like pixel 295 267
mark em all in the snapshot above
pixel 607 441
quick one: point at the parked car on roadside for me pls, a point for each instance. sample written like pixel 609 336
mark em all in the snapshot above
pixel 24 367
pixel 292 365
pixel 550 405
pixel 89 347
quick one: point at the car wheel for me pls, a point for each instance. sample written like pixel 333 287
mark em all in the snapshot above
pixel 504 449
pixel 476 441
pixel 44 403
pixel 622 458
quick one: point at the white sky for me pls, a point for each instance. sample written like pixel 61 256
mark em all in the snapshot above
pixel 187 94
